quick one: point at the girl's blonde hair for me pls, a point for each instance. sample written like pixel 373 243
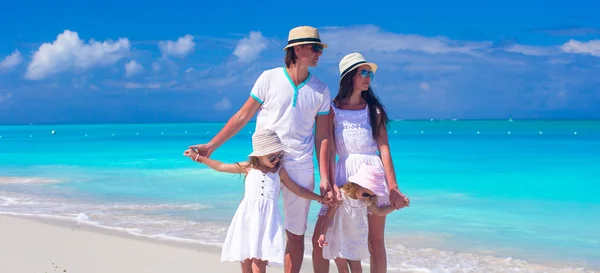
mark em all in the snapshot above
pixel 243 166
pixel 350 190
pixel 251 163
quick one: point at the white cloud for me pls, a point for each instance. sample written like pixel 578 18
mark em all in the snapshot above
pixel 250 47
pixel 11 60
pixel 68 52
pixel 424 86
pixel 372 38
pixel 143 85
pixel 532 50
pixel 191 69
pixel 592 47
pixel 136 85
pixel 223 105
pixel 180 48
pixel 133 68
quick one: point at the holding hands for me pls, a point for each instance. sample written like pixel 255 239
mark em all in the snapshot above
pixel 398 199
pixel 193 155
pixel 329 199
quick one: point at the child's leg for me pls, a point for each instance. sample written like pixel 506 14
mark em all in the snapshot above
pixel 259 266
pixel 355 266
pixel 246 266
pixel 342 265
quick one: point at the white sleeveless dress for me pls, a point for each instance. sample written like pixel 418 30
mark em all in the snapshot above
pixel 256 230
pixel 355 145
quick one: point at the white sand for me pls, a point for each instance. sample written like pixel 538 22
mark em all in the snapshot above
pixel 46 245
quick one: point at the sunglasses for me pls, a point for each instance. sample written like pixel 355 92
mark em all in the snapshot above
pixel 317 48
pixel 364 73
pixel 273 158
pixel 366 195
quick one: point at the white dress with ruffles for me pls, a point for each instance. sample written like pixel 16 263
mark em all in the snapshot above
pixel 256 230
pixel 355 146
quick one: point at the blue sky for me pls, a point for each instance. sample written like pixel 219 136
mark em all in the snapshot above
pixel 188 61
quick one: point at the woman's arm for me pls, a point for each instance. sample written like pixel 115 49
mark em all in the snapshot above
pixel 332 155
pixel 397 199
pixel 300 191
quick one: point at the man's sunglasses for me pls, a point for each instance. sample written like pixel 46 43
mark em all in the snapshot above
pixel 364 73
pixel 317 48
pixel 272 158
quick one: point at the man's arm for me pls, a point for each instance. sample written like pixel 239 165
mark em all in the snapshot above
pixel 233 126
pixel 322 142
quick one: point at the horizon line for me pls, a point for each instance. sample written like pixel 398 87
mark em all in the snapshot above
pixel 253 121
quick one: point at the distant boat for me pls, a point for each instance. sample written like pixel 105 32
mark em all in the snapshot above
pixel 510 119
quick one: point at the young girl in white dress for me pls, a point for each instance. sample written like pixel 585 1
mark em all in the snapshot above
pixel 345 230
pixel 255 236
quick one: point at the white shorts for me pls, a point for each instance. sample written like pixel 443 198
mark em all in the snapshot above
pixel 295 208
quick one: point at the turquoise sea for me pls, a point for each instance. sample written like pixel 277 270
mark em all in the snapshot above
pixel 486 195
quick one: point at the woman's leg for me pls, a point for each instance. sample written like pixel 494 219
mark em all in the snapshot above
pixel 355 266
pixel 376 244
pixel 259 266
pixel 320 264
pixel 342 265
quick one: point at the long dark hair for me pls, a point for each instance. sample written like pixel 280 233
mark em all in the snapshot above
pixel 346 90
pixel 290 57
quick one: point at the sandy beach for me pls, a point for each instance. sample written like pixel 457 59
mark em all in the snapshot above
pixel 48 245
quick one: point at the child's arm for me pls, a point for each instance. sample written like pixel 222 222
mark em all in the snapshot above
pixel 325 225
pixel 216 165
pixel 300 191
pixel 381 211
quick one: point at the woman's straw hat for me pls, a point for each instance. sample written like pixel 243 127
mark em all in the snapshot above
pixel 352 61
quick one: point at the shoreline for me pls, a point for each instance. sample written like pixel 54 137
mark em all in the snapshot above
pixel 32 244
pixel 35 243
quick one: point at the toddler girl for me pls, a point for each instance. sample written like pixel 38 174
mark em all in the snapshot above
pixel 344 236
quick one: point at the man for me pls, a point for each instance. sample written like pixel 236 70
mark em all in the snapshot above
pixel 291 103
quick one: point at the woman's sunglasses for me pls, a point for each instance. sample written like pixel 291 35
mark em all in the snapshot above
pixel 273 158
pixel 364 73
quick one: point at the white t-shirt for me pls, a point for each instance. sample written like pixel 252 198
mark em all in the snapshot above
pixel 290 111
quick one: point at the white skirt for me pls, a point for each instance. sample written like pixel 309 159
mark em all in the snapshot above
pixel 256 231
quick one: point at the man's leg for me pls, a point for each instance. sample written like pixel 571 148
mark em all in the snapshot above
pixel 295 213
pixel 294 253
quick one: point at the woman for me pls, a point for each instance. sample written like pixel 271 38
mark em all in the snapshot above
pixel 360 131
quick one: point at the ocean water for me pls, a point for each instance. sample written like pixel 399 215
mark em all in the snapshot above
pixel 486 196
